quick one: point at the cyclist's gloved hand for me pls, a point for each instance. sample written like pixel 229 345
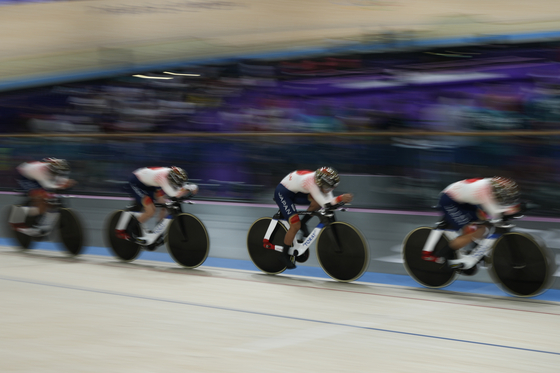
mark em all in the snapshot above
pixel 192 188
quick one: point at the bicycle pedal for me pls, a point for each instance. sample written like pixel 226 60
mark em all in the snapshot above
pixel 138 240
pixel 456 266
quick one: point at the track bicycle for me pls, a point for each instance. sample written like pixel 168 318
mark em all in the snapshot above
pixel 67 224
pixel 183 233
pixel 341 249
pixel 519 263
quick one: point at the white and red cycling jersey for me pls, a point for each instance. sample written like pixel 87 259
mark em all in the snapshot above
pixel 39 172
pixel 303 181
pixel 477 192
pixel 157 177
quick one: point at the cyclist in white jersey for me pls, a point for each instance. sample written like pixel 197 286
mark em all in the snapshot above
pixel 474 200
pixel 150 184
pixel 313 188
pixel 38 180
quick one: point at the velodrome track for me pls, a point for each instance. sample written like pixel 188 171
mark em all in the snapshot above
pixel 93 313
pixel 228 222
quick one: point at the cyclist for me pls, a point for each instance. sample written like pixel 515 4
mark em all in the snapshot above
pixel 474 200
pixel 154 183
pixel 313 188
pixel 38 179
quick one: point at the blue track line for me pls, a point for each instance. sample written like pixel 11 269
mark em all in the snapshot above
pixel 192 304
pixel 471 287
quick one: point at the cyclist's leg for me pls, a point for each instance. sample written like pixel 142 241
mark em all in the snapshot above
pixel 19 214
pixel 144 196
pixel 36 194
pixel 149 236
pixel 459 216
pixel 295 223
pixel 284 199
pixel 149 210
pixel 38 198
pixel 38 206
pixel 480 234
pixel 313 206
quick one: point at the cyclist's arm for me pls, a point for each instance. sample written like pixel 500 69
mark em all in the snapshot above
pixel 163 183
pixel 493 209
pixel 479 193
pixel 190 188
pixel 321 198
pixel 51 183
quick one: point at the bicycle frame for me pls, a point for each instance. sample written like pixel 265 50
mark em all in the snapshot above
pixel 20 213
pixel 325 216
pixel 174 208
pixel 451 234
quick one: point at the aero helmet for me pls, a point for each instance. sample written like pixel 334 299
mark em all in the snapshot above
pixel 327 178
pixel 57 166
pixel 505 191
pixel 177 177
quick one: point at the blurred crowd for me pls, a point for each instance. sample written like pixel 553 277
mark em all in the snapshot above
pixel 480 88
pixel 468 89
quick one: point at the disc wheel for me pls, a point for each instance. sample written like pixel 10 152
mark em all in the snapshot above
pixel 429 274
pixel 520 265
pixel 267 260
pixel 187 240
pixel 123 249
pixel 342 252
pixel 71 231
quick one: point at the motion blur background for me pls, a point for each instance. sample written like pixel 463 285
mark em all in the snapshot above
pixel 402 98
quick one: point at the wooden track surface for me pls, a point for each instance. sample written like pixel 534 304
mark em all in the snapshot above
pixel 93 314
pixel 63 37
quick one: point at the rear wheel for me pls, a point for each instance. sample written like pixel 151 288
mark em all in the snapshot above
pixel 342 252
pixel 123 249
pixel 520 265
pixel 71 231
pixel 187 240
pixel 429 274
pixel 267 260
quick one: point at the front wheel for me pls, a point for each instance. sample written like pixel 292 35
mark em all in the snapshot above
pixel 123 249
pixel 429 274
pixel 267 260
pixel 71 231
pixel 520 265
pixel 342 252
pixel 187 240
